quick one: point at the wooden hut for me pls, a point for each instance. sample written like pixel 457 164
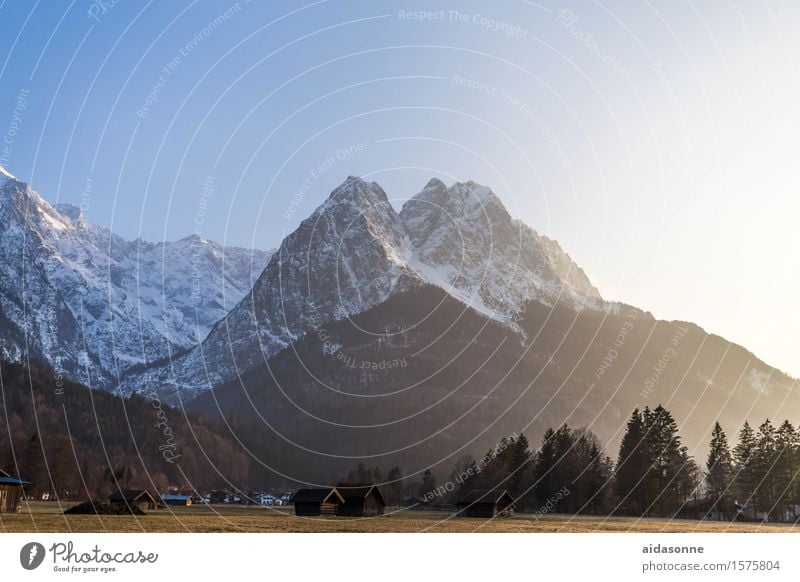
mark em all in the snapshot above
pixel 482 503
pixel 10 492
pixel 361 500
pixel 131 497
pixel 317 501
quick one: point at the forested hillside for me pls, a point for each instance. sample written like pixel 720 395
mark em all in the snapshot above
pixel 76 442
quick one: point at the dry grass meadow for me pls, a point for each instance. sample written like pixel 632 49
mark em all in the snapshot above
pixel 48 517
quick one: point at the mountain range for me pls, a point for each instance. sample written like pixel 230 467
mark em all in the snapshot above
pixel 355 252
pixel 407 337
pixel 94 305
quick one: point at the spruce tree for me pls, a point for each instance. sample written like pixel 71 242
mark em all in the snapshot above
pixel 543 469
pixel 719 473
pixel 566 469
pixel 428 486
pixel 596 477
pixel 632 467
pixel 786 466
pixel 745 481
pixel 464 477
pixel 672 471
pixel 522 469
pixel 766 460
pixel 395 486
pixel 363 474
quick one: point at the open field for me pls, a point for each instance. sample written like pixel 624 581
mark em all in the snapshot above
pixel 46 517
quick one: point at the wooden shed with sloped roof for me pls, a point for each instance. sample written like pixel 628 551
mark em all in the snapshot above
pixel 317 501
pixel 10 492
pixel 483 503
pixel 130 497
pixel 361 500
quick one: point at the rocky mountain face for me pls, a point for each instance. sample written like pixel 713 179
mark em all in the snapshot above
pixel 437 384
pixel 462 239
pixel 355 252
pixel 94 305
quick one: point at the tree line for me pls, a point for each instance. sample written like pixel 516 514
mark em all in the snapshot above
pixel 652 476
pixel 758 478
pixel 567 474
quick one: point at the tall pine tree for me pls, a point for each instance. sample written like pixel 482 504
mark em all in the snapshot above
pixel 719 473
pixel 746 481
pixel 632 468
pixel 522 469
pixel 786 467
pixel 765 462
pixel 672 472
pixel 394 490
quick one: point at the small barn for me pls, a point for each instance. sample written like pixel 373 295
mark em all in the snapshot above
pixel 482 503
pixel 317 501
pixel 176 500
pixel 361 500
pixel 10 492
pixel 130 497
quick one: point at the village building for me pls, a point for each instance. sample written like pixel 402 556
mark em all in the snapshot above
pixel 217 496
pixel 176 500
pixel 134 497
pixel 10 492
pixel 482 503
pixel 361 500
pixel 317 501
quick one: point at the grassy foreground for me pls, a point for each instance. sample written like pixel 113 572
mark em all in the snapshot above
pixel 47 517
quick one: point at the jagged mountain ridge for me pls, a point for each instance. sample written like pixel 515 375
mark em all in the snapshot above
pixel 94 305
pixel 464 240
pixel 355 252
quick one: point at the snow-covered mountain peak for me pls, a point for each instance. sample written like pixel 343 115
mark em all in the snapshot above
pixel 434 184
pixel 18 202
pixel 462 200
pixel 463 239
pixel 5 175
pixel 93 304
pixel 355 216
pixel 355 251
pixel 342 260
pixel 358 192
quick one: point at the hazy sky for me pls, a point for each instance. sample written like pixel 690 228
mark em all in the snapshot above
pixel 658 142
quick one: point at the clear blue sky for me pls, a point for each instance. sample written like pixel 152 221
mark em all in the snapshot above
pixel 657 142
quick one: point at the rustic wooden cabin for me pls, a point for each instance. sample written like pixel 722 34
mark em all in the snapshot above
pixel 361 500
pixel 131 497
pixel 482 503
pixel 10 492
pixel 317 501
